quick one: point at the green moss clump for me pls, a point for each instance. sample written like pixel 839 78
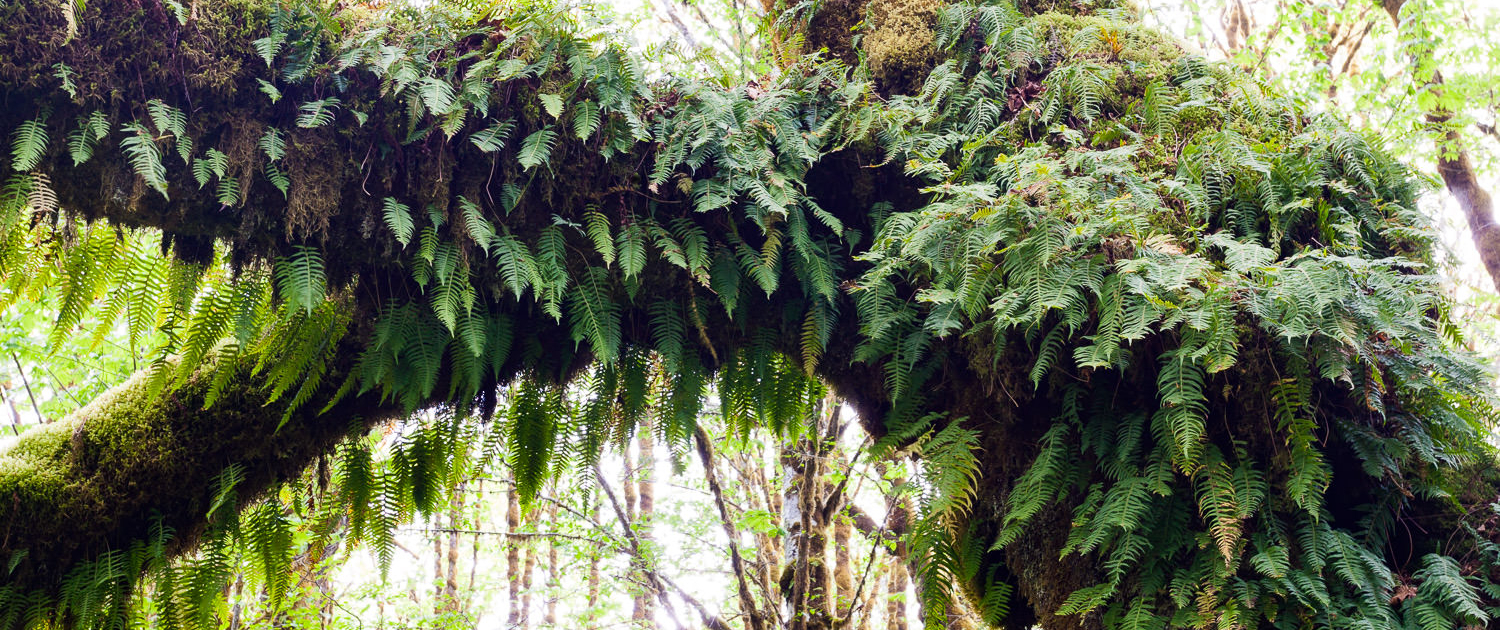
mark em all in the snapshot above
pixel 30 479
pixel 899 46
pixel 1144 54
pixel 42 443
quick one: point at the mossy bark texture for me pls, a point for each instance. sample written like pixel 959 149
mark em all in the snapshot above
pixel 137 458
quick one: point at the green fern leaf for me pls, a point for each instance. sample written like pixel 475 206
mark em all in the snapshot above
pixel 598 228
pixel 437 95
pixel 585 119
pixel 536 149
pixel 479 228
pixel 145 156
pixel 492 138
pixel 319 113
pixel 299 279
pixel 398 219
pixel 28 144
pixel 552 103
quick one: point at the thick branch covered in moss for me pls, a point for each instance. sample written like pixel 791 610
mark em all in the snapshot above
pixel 138 457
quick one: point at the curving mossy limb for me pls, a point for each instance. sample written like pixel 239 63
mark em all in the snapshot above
pixel 139 457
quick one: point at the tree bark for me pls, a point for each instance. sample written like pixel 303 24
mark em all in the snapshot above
pixel 1453 163
pixel 895 602
pixel 549 617
pixel 455 523
pixel 592 615
pixel 645 491
pixel 513 568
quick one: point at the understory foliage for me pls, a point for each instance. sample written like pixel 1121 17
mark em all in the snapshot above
pixel 1098 212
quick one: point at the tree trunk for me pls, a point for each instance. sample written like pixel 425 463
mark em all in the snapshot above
pixel 513 570
pixel 753 618
pixel 1453 162
pixel 645 484
pixel 592 614
pixel 455 524
pixel 527 571
pixel 843 565
pixel 554 587
pixel 439 582
pixel 806 579
pixel 895 590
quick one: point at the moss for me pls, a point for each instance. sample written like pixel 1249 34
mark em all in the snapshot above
pixel 313 163
pixel 833 27
pixel 25 480
pixel 1073 7
pixel 31 469
pixel 99 479
pixel 208 55
pixel 42 443
pixel 899 44
pixel 1145 54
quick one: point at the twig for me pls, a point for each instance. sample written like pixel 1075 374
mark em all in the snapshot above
pixel 705 453
pixel 687 34
pixel 858 601
pixel 519 535
pixel 710 620
pixel 15 417
pixel 833 497
pixel 22 372
pixel 58 382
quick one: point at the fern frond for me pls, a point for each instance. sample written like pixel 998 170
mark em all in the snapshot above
pixel 536 150
pixel 29 143
pixel 300 280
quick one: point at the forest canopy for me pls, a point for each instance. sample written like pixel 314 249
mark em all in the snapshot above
pixel 1169 347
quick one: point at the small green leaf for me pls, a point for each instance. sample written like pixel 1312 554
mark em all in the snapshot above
pixel 267 88
pixel 552 103
pixel 398 218
pixel 536 149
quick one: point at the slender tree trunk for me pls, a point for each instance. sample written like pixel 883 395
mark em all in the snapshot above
pixel 513 555
pixel 455 523
pixel 527 571
pixel 238 609
pixel 1454 166
pixel 896 521
pixel 646 509
pixel 895 590
pixel 549 619
pixel 593 579
pixel 803 508
pixel 474 547
pixel 748 465
pixel 439 584
pixel 843 565
pixel 865 617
